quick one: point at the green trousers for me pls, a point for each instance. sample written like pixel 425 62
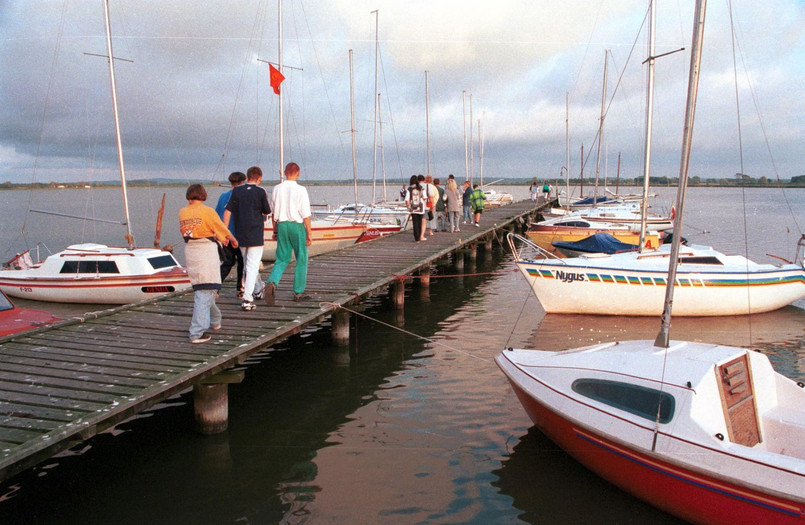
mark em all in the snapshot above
pixel 291 240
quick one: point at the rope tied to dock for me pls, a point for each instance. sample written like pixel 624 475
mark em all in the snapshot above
pixel 336 306
pixel 403 277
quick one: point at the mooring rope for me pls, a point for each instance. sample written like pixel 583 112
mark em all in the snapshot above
pixel 442 276
pixel 407 332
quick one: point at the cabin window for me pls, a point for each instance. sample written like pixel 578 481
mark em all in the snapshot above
pixel 89 266
pixel 575 224
pixel 700 260
pixel 163 261
pixel 5 303
pixel 637 400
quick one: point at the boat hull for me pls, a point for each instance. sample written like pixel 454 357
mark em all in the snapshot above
pixel 327 238
pixel 545 236
pixel 97 274
pixel 602 290
pixel 94 289
pixel 14 319
pixel 692 494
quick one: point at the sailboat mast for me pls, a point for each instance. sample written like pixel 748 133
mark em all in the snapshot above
pixel 382 148
pixel 481 152
pixel 129 235
pixel 427 122
pixel 464 110
pixel 687 137
pixel 377 102
pixel 472 168
pixel 581 173
pixel 567 148
pixel 649 123
pixel 352 132
pixel 601 129
pixel 279 68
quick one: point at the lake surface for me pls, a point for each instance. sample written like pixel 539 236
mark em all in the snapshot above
pixel 410 423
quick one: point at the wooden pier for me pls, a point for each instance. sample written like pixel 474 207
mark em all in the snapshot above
pixel 63 384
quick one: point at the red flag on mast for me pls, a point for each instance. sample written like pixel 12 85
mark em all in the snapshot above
pixel 275 78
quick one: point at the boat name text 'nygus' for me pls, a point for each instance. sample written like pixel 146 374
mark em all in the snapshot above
pixel 568 277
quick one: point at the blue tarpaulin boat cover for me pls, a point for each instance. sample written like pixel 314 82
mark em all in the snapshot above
pixel 589 201
pixel 598 243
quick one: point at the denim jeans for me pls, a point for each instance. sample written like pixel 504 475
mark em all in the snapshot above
pixel 205 312
pixel 467 214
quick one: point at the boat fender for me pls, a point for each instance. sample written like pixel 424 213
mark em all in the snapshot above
pixel 720 436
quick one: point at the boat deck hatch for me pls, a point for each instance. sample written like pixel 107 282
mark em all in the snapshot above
pixel 738 399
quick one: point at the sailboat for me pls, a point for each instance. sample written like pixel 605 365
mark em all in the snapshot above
pixel 327 233
pixel 709 433
pixel 708 282
pixel 96 273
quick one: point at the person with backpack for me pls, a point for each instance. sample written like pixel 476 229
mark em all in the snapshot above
pixel 477 198
pixel 415 202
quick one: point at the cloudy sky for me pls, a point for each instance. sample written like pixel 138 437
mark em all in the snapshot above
pixel 195 101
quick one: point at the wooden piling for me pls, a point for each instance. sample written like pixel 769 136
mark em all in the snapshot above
pixel 340 327
pixel 397 289
pixel 211 401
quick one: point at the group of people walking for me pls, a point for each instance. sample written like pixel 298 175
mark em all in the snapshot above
pixel 434 208
pixel 234 237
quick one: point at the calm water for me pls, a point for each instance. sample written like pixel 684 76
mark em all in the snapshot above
pixel 393 428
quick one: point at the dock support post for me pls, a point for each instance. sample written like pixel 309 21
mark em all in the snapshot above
pixel 211 402
pixel 458 260
pixel 211 407
pixel 424 276
pixel 340 327
pixel 472 250
pixel 488 244
pixel 398 294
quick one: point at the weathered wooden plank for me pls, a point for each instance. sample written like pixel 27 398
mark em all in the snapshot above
pixel 20 410
pixel 108 360
pixel 57 392
pixel 86 386
pixel 46 365
pixel 28 424
pixel 37 399
pixel 17 437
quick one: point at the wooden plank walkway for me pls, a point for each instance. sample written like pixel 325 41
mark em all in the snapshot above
pixel 63 384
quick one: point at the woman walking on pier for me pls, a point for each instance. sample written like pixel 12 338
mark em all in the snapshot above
pixel 201 229
pixel 415 202
pixel 454 201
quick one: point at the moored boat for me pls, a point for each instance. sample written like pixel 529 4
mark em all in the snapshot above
pixel 709 433
pixel 330 235
pixel 95 273
pixel 571 229
pixel 708 282
pixel 14 319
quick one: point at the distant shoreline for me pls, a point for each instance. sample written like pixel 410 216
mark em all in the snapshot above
pixel 709 183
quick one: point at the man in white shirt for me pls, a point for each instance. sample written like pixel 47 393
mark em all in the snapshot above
pixel 290 206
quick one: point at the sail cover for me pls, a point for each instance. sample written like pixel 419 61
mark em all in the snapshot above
pixel 598 243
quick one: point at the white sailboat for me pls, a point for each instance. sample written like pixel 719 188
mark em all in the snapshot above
pixel 333 232
pixel 708 282
pixel 96 273
pixel 709 433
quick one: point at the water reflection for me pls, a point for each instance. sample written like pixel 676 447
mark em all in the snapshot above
pixel 548 486
pixel 389 428
pixel 780 334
